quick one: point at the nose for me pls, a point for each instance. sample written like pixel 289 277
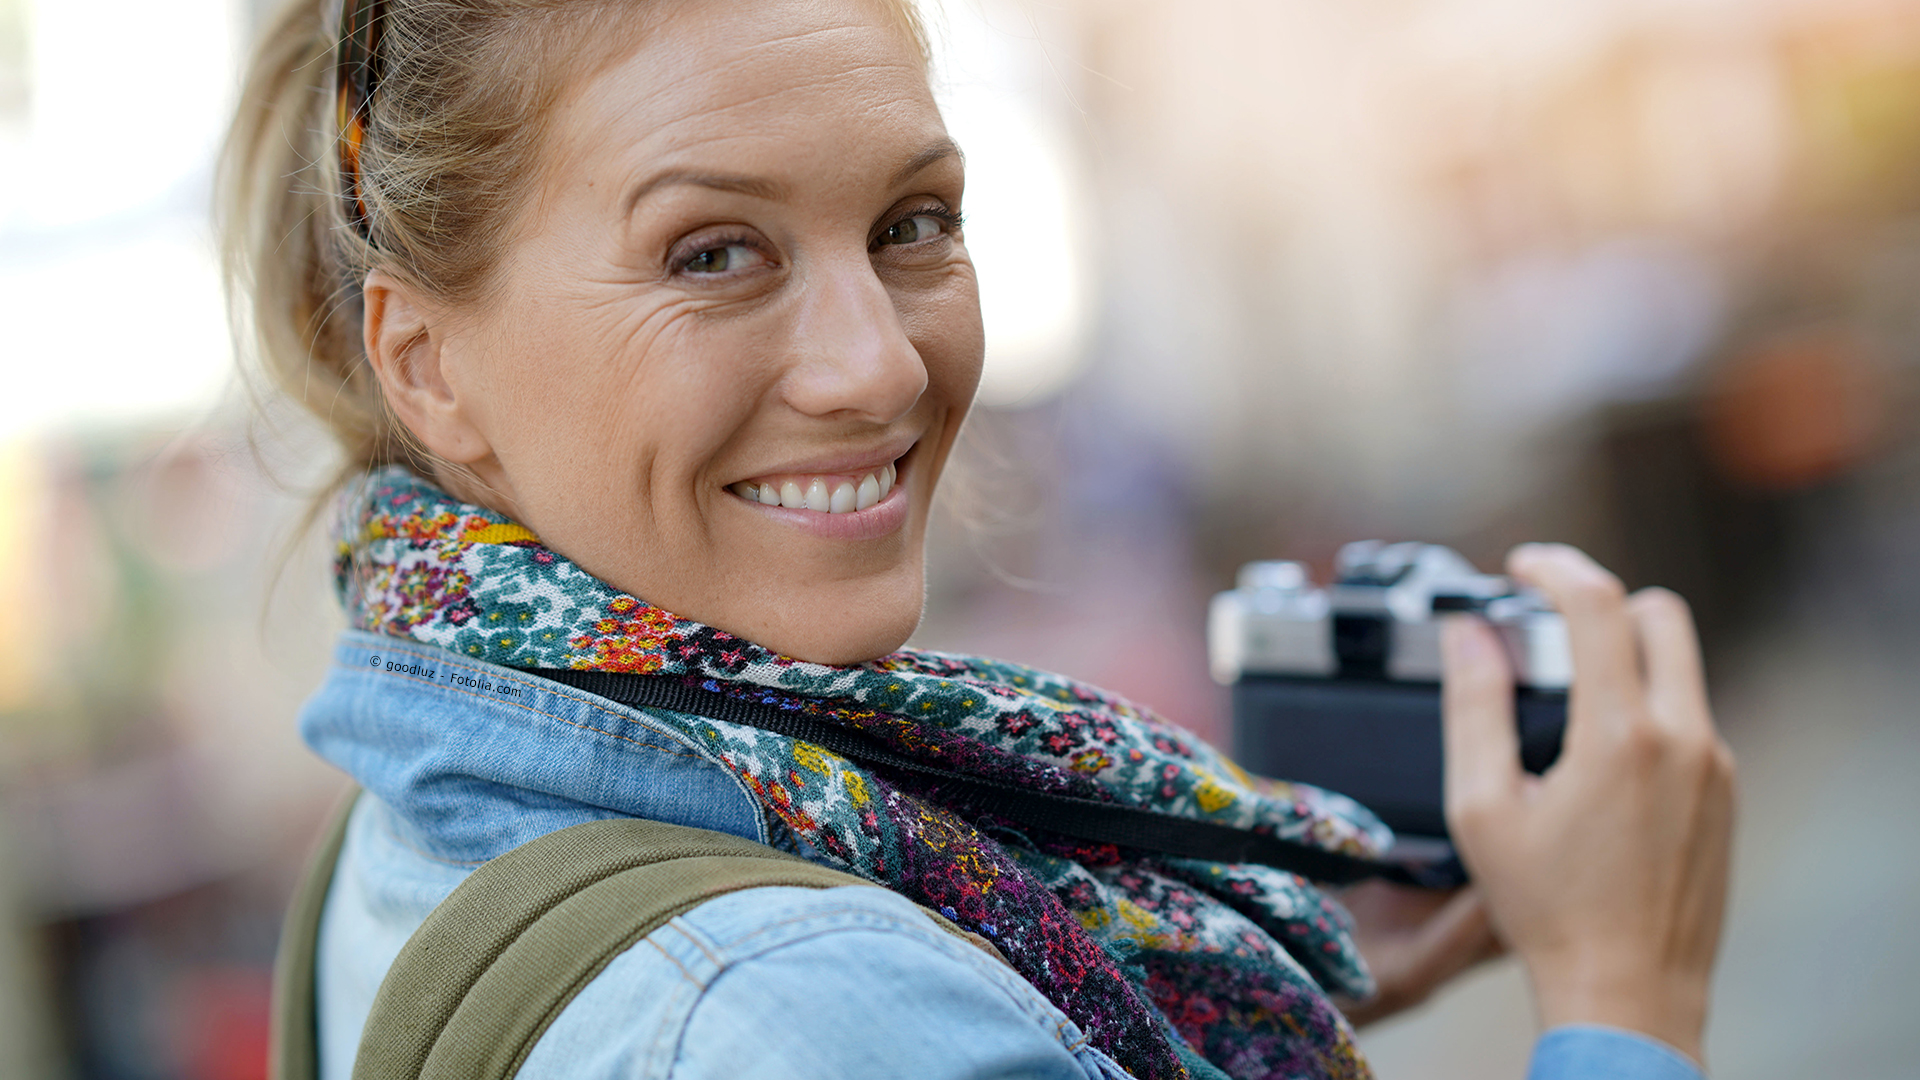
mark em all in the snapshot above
pixel 852 356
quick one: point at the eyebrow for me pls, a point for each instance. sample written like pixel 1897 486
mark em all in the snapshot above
pixel 937 150
pixel 753 186
pixel 761 188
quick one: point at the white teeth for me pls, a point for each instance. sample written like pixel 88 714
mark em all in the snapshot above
pixel 843 497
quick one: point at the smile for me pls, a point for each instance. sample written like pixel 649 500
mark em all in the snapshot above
pixel 826 493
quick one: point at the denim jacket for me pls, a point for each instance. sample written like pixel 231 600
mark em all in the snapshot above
pixel 465 761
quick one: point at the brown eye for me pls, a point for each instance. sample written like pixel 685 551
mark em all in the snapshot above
pixel 913 230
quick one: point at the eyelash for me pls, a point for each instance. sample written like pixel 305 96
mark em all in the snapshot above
pixel 953 220
pixel 949 218
pixel 715 243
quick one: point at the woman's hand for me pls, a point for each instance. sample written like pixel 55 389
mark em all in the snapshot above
pixel 1607 875
pixel 1415 941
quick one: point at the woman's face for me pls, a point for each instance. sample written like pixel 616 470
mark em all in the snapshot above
pixel 737 331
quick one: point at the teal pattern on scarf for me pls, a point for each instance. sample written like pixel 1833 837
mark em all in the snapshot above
pixel 1173 967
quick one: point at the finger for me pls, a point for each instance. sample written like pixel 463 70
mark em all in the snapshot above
pixel 1711 857
pixel 1457 937
pixel 1670 651
pixel 1481 742
pixel 1454 938
pixel 1385 911
pixel 1606 654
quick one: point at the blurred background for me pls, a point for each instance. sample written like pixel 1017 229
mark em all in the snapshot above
pixel 1260 277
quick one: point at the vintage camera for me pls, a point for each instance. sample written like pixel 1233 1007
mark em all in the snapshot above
pixel 1339 687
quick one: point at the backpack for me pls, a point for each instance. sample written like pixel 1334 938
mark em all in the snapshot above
pixel 479 982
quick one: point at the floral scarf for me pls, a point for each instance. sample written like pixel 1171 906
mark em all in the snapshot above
pixel 1173 967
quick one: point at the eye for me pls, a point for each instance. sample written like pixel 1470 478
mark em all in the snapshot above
pixel 914 230
pixel 725 258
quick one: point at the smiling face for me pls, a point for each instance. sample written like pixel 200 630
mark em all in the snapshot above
pixel 735 334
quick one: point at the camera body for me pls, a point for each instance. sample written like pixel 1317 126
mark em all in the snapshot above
pixel 1339 686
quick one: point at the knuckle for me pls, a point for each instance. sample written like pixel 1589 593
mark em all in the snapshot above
pixel 1554 549
pixel 1698 754
pixel 1598 590
pixel 1470 809
pixel 1661 603
pixel 1644 742
pixel 1555 558
pixel 1714 776
pixel 1467 823
pixel 1724 763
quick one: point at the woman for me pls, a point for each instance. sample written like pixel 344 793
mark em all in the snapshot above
pixel 646 329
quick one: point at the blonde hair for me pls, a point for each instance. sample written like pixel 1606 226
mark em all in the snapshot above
pixel 453 133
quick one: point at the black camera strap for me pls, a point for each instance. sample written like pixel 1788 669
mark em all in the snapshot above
pixel 1063 815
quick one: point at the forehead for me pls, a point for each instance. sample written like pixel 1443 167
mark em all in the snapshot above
pixel 783 88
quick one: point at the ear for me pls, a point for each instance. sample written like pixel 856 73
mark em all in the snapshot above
pixel 407 342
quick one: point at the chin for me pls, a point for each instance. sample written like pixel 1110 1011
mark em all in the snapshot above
pixel 841 626
pixel 868 643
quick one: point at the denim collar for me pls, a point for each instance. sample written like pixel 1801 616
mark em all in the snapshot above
pixel 474 758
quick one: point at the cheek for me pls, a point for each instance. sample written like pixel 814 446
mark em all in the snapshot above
pixel 595 386
pixel 944 326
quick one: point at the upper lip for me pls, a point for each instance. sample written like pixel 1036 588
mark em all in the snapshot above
pixel 848 461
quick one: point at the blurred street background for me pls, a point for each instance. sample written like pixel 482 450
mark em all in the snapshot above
pixel 1260 277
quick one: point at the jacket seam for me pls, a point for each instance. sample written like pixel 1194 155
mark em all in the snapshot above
pixel 680 750
pixel 884 922
pixel 917 925
pixel 678 747
pixel 693 937
pixel 675 961
pixel 879 920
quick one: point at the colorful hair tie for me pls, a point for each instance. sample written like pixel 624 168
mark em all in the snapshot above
pixel 356 78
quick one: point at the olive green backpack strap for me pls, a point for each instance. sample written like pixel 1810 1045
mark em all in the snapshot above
pixel 480 981
pixel 483 977
pixel 294 1053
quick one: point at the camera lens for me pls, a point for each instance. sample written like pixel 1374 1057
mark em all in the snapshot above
pixel 1362 642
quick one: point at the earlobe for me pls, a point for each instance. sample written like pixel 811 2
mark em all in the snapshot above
pixel 407 345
